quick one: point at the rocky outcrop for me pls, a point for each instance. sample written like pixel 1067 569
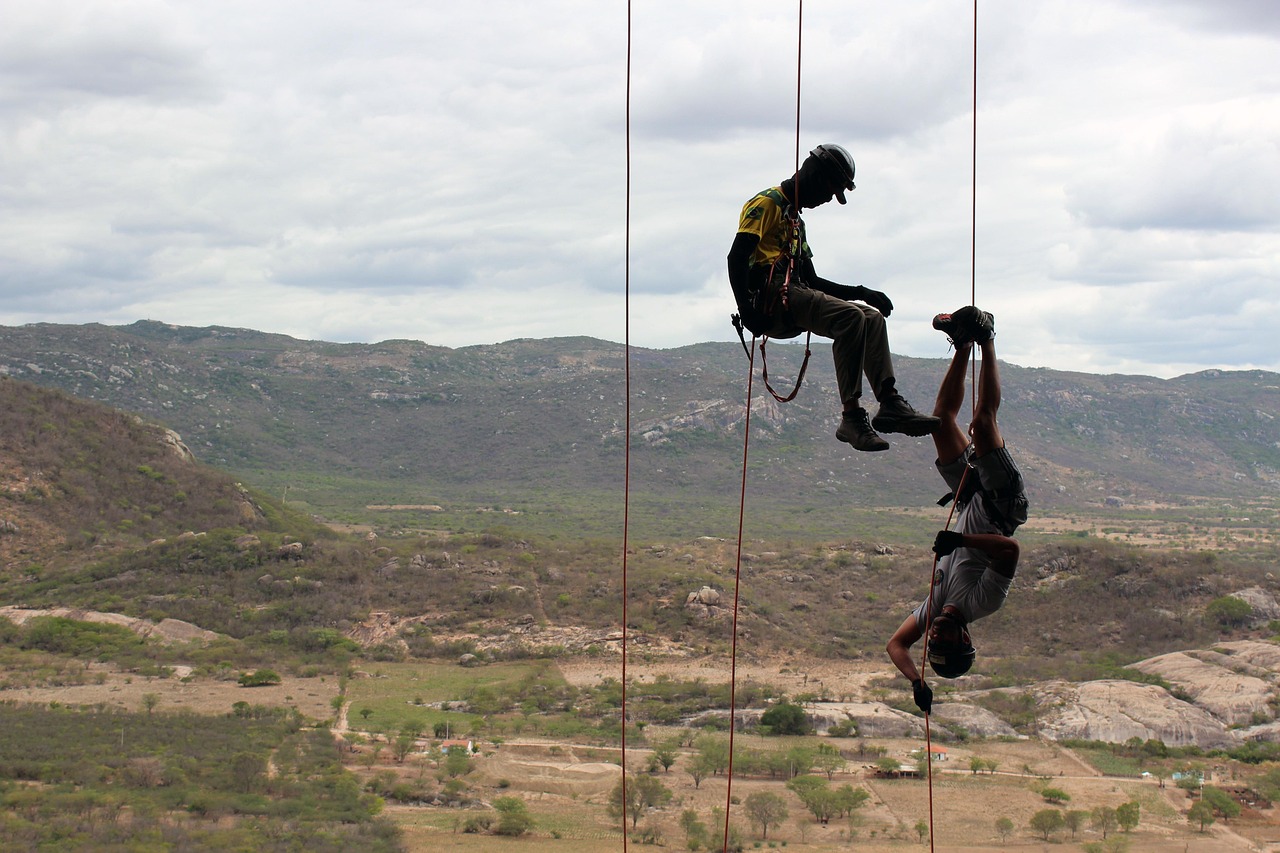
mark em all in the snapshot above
pixel 978 722
pixel 873 719
pixel 1234 692
pixel 705 604
pixel 166 630
pixel 1115 711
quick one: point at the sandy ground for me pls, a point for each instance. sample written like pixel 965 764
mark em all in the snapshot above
pixel 311 696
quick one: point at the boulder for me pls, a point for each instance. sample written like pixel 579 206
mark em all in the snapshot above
pixel 1115 711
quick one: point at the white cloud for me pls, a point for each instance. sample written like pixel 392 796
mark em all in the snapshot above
pixel 456 173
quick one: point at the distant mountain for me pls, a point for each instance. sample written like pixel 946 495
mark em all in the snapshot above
pixel 104 511
pixel 537 427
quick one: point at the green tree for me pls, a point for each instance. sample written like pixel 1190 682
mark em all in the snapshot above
pixel 976 765
pixel 1223 804
pixel 1046 822
pixel 514 818
pixel 1201 813
pixel 1228 611
pixel 828 762
pixel 1004 828
pixel 849 799
pixel 699 767
pixel 1128 815
pixel 1056 796
pixel 817 797
pixel 666 753
pixel 695 831
pixel 247 768
pixel 1075 819
pixel 785 719
pixel 922 830
pixel 403 745
pixel 765 808
pixel 260 678
pixel 150 701
pixel 457 763
pixel 1103 819
pixel 638 795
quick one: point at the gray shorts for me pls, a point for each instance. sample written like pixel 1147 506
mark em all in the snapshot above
pixel 995 480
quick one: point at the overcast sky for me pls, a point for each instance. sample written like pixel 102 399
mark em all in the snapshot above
pixel 456 173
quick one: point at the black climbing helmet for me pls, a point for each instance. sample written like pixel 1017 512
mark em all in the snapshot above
pixel 951 659
pixel 839 162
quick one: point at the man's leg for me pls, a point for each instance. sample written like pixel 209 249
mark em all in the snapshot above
pixel 845 323
pixel 983 429
pixel 949 440
pixel 895 413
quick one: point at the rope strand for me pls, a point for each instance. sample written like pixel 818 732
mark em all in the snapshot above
pixel 626 477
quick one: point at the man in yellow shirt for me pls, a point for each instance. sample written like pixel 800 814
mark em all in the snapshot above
pixel 780 295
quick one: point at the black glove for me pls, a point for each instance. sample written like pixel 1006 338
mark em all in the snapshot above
pixel 876 300
pixel 947 541
pixel 922 694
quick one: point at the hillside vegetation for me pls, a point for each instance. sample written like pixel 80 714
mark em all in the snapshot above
pixel 439 438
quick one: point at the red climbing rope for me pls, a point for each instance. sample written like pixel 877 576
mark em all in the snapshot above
pixel 626 477
pixel 746 438
pixel 973 298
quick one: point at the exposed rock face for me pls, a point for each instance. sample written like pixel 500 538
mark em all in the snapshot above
pixel 1265 607
pixel 1231 694
pixel 1115 711
pixel 872 718
pixel 166 630
pixel 705 604
pixel 976 721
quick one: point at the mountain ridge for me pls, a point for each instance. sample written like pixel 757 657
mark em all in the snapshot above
pixel 536 423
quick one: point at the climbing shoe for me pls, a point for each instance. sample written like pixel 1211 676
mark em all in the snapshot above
pixel 967 325
pixel 896 415
pixel 855 429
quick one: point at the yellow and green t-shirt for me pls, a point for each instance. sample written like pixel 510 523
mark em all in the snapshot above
pixel 764 216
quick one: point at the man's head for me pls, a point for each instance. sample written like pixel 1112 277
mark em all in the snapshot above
pixel 827 172
pixel 950 651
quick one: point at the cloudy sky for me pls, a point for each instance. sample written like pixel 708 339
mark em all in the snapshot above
pixel 457 172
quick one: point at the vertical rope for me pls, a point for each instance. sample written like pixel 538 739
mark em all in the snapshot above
pixel 737 579
pixel 733 654
pixel 626 477
pixel 973 212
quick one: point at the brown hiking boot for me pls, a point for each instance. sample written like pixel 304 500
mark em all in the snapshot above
pixel 896 415
pixel 855 429
pixel 967 325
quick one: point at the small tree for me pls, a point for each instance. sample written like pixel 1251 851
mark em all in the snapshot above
pixel 1201 813
pixel 785 719
pixel 1046 822
pixel 1103 819
pixel 638 795
pixel 665 754
pixel 514 818
pixel 1057 796
pixel 1128 815
pixel 1075 819
pixel 976 765
pixel 1223 804
pixel 922 830
pixel 1004 828
pixel 695 831
pixel 765 808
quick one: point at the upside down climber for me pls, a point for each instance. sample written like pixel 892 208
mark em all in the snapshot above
pixel 976 561
pixel 779 295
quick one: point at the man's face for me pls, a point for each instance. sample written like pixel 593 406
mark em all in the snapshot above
pixel 946 631
pixel 817 184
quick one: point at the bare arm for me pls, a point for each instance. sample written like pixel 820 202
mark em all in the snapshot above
pixel 899 648
pixel 1002 550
